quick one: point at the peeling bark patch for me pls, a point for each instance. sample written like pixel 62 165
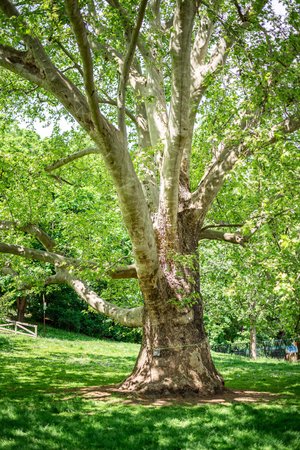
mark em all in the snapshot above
pixel 195 361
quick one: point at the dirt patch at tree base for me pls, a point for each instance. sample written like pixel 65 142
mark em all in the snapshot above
pixel 114 394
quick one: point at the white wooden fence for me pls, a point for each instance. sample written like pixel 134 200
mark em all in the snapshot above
pixel 18 328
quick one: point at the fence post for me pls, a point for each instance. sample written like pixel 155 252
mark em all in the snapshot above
pixel 16 327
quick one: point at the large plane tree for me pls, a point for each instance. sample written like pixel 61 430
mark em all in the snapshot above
pixel 173 94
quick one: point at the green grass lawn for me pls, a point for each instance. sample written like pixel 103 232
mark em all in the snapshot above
pixel 36 412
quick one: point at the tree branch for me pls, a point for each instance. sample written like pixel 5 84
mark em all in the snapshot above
pixel 150 88
pixel 129 317
pixel 32 229
pixel 132 201
pixel 67 159
pixel 127 64
pixel 237 238
pixel 179 111
pixel 123 272
pixel 233 238
pixel 61 261
pixel 200 48
pixel 70 56
pixel 225 160
pixel 222 225
pixel 61 180
pixel 213 179
pixel 110 141
pixel 136 78
pixel 20 63
pixel 52 279
pixel 55 258
pixel 265 219
pixel 201 70
pixel 80 32
pixel 35 65
pixel 216 62
pixel 242 16
pixel 155 8
pixel 288 126
pixel 112 102
pixel 128 28
pixel 39 255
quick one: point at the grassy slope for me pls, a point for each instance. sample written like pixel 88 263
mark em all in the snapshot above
pixel 34 412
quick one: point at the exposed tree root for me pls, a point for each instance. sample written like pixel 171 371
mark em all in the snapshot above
pixel 113 393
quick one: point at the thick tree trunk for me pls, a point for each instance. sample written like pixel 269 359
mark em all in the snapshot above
pixel 175 354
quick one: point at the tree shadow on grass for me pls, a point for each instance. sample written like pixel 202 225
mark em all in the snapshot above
pixel 28 376
pixel 81 424
pixel 35 413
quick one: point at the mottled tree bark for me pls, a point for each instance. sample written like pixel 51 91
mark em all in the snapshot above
pixel 175 354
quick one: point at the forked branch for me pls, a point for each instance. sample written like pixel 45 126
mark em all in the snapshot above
pixel 119 272
pixel 209 232
pixel 224 162
pixel 130 317
pixel 31 229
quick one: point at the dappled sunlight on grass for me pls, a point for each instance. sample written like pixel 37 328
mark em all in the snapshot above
pixel 105 425
pixel 42 405
pixel 45 364
pixel 264 374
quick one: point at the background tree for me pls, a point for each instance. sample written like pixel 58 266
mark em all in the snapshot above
pixel 250 296
pixel 160 68
pixel 262 277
